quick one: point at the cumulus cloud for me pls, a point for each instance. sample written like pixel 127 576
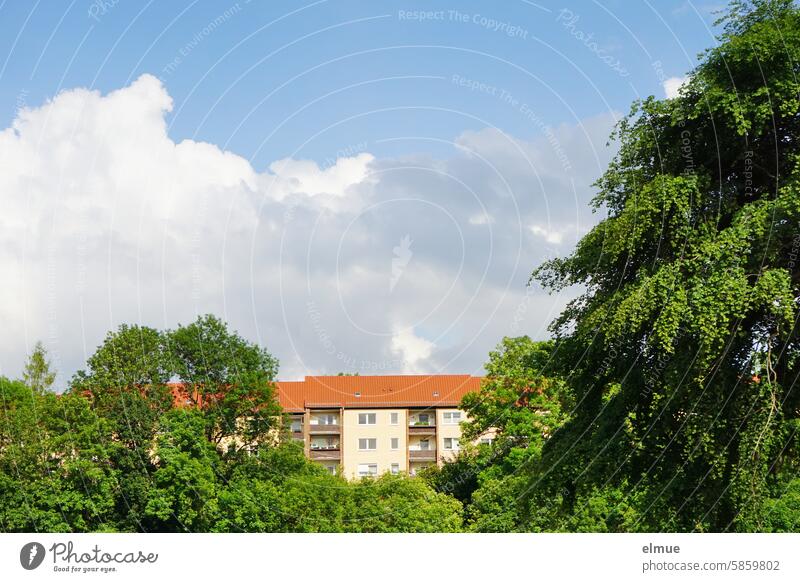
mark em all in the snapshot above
pixel 106 219
pixel 673 85
pixel 411 349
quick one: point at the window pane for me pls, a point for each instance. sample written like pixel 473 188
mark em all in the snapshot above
pixel 395 443
pixel 395 418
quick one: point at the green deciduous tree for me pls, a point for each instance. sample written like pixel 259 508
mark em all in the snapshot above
pixel 126 382
pixel 397 503
pixel 132 355
pixel 230 379
pixel 682 350
pixel 37 373
pixel 55 469
pixel 518 407
pixel 183 496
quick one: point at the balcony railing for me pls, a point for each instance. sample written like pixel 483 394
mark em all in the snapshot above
pixel 324 429
pixel 327 454
pixel 416 428
pixel 422 455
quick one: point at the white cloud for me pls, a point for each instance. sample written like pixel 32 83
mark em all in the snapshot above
pixel 412 350
pixel 550 235
pixel 672 86
pixel 106 219
pixel 479 219
pixel 291 176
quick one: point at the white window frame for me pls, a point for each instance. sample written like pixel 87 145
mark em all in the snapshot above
pixel 366 417
pixel 453 444
pixel 369 471
pixel 368 441
pixel 451 417
pixel 394 443
pixel 394 418
pixel 395 469
pixel 325 419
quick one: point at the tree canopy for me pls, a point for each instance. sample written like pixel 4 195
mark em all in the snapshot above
pixel 666 400
pixel 682 349
pixel 119 452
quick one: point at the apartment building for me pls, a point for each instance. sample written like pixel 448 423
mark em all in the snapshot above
pixel 367 425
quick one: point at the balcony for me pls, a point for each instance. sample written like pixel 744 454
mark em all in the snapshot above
pixel 326 454
pixel 422 455
pixel 426 429
pixel 324 428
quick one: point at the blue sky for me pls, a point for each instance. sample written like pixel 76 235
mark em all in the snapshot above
pixel 355 58
pixel 361 187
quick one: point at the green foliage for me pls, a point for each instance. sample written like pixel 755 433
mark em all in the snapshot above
pixel 690 291
pixel 783 512
pixel 183 494
pixel 396 503
pixel 37 373
pixel 230 379
pixel 115 454
pixel 518 407
pixel 131 356
pixel 55 473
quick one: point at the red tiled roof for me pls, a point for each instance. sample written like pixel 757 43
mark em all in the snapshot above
pixel 375 391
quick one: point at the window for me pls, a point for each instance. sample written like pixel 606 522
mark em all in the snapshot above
pixel 325 444
pixel 297 425
pixel 367 418
pixel 424 445
pixel 367 444
pixel 395 468
pixel 423 419
pixel 395 418
pixel 326 419
pixel 450 444
pixel 366 470
pixel 486 441
pixel 331 469
pixel 451 417
pixel 395 443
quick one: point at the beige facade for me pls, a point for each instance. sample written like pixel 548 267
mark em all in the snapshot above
pixel 368 431
pixel 371 441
